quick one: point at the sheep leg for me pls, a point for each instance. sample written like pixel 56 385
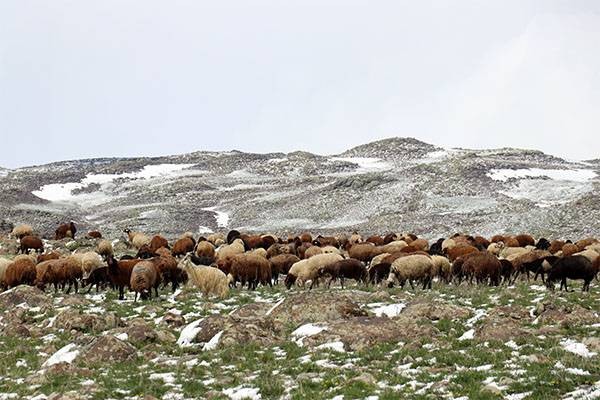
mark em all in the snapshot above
pixel 135 297
pixel 121 293
pixel 155 291
pixel 411 284
pixel 76 286
pixel 342 281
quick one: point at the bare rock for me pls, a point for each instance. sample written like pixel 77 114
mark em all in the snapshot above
pixel 107 349
pixel 435 311
pixel 74 319
pixel 173 320
pixel 31 296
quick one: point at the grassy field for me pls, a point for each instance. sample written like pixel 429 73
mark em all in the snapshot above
pixel 546 352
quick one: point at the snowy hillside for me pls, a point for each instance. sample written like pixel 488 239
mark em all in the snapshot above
pixel 398 184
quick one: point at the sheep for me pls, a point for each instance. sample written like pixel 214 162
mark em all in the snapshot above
pixel 420 244
pixel 506 270
pixel 89 261
pixel 530 261
pixel 390 237
pixel 21 271
pixel 512 252
pixel 157 242
pixel 209 280
pixel 542 244
pixel 301 249
pixel 144 278
pixel 365 251
pixel 442 267
pixel 459 250
pixel 183 246
pixel 409 268
pixel 235 247
pixel 483 266
pixel 53 255
pixel 51 272
pixel 98 277
pixel 104 248
pixel 94 235
pixel 31 243
pixel 330 250
pixel 216 237
pixel 250 268
pixel 448 244
pixel 326 241
pixel 259 252
pixel 354 238
pixel 306 237
pixel 480 242
pixel 280 264
pixel 308 269
pixel 65 230
pixel 277 249
pixel 376 240
pixel 21 231
pixel 232 235
pixel 137 239
pixel 378 259
pixel 569 249
pixel 205 249
pixel 4 263
pixel 119 273
pixel 594 246
pixel 555 246
pixel 167 270
pixel 525 240
pixel 590 254
pixel 436 248
pixel 378 272
pixel 393 246
pixel 312 251
pixel 348 268
pixel 145 252
pixel 572 267
pixel 583 243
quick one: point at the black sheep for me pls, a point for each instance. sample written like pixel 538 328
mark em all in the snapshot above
pixel 349 268
pixel 572 267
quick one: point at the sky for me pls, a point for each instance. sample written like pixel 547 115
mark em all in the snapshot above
pixel 82 79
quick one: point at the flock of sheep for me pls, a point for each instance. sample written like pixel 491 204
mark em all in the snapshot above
pixel 218 262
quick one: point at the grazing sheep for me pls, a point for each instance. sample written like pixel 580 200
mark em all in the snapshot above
pixel 137 239
pixel 119 273
pixel 378 259
pixel 365 251
pixel 326 241
pixel 216 239
pixel 590 254
pixel 420 244
pixel 393 247
pixel 583 243
pixel 512 252
pixel 166 266
pixel 31 243
pixel 301 249
pixel 349 268
pixel 376 240
pixel 277 249
pixel 209 280
pixel 308 269
pixel 250 268
pixel 98 277
pixel 232 235
pixel 21 271
pixel 183 246
pixel 448 244
pixel 442 267
pixel 280 264
pixel 94 235
pixel 205 249
pixel 65 230
pixel 542 244
pixel 4 263
pixel 569 249
pixel 378 272
pixel 144 278
pixel 89 261
pixel 51 272
pixel 21 231
pixel 572 267
pixel 104 248
pixel 480 242
pixel 530 261
pixel 506 270
pixel 436 248
pixel 163 251
pixel 409 268
pixel 556 246
pixel 145 252
pixel 483 266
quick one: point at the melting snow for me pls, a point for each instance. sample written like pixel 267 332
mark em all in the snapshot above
pixel 576 348
pixel 213 342
pixel 66 354
pixel 188 334
pixel 365 164
pixel 275 306
pixel 574 371
pixel 335 346
pixel 517 396
pixel 575 175
pixel 306 330
pixel 390 310
pixel 167 377
pixel 240 392
pixel 468 335
pixel 221 217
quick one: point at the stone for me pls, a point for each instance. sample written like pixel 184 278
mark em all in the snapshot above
pixel 107 349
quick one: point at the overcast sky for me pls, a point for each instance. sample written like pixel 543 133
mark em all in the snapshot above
pixel 85 79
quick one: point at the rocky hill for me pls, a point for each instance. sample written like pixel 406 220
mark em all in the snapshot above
pixel 399 184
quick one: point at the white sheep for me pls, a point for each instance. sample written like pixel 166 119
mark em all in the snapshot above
pixel 409 268
pixel 308 269
pixel 210 281
pixel 442 267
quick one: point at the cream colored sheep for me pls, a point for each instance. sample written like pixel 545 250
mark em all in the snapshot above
pixel 104 248
pixel 330 250
pixel 308 269
pixel 442 267
pixel 22 230
pixel 448 244
pixel 377 259
pixel 236 247
pixel 409 268
pixel 210 281
pixel 393 247
pixel 511 252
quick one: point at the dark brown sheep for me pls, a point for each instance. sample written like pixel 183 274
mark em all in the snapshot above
pixel 326 241
pixel 31 243
pixel 364 251
pixel 119 273
pixel 94 235
pixel 168 271
pixel 376 240
pixel 483 266
pixel 157 242
pixel 251 269
pixel 572 267
pixel 349 268
pixel 98 277
pixel 525 240
pixel 306 237
pixel 144 278
pixel 183 246
pixel 53 255
pixel 480 242
pixel 65 230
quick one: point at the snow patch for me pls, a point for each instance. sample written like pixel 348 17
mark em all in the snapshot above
pixel 305 331
pixel 574 175
pixel 335 346
pixel 390 310
pixel 221 217
pixel 66 354
pixel 575 347
pixel 188 334
pixel 468 335
pixel 365 164
pixel 213 342
pixel 240 392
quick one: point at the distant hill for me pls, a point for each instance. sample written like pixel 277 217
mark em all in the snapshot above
pixel 397 184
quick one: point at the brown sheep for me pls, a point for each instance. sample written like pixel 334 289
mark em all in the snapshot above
pixel 497 238
pixel 349 268
pixel 104 248
pixel 583 243
pixel 525 240
pixel 483 266
pixel 252 269
pixel 163 251
pixel 376 240
pixel 183 246
pixel 144 278
pixel 364 251
pixel 94 235
pixel 390 237
pixel 556 246
pixel 31 243
pixel 481 242
pixel 65 230
pixel 530 262
pixel 281 263
pixel 119 273
pixel 20 272
pixel 157 242
pixel 205 249
pixel 53 255
pixel 168 271
pixel 569 249
pixel 306 237
pixel 277 249
pixel 312 251
pixel 460 250
pixel 420 244
pixel 51 272
pixel 301 250
pixel 326 241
